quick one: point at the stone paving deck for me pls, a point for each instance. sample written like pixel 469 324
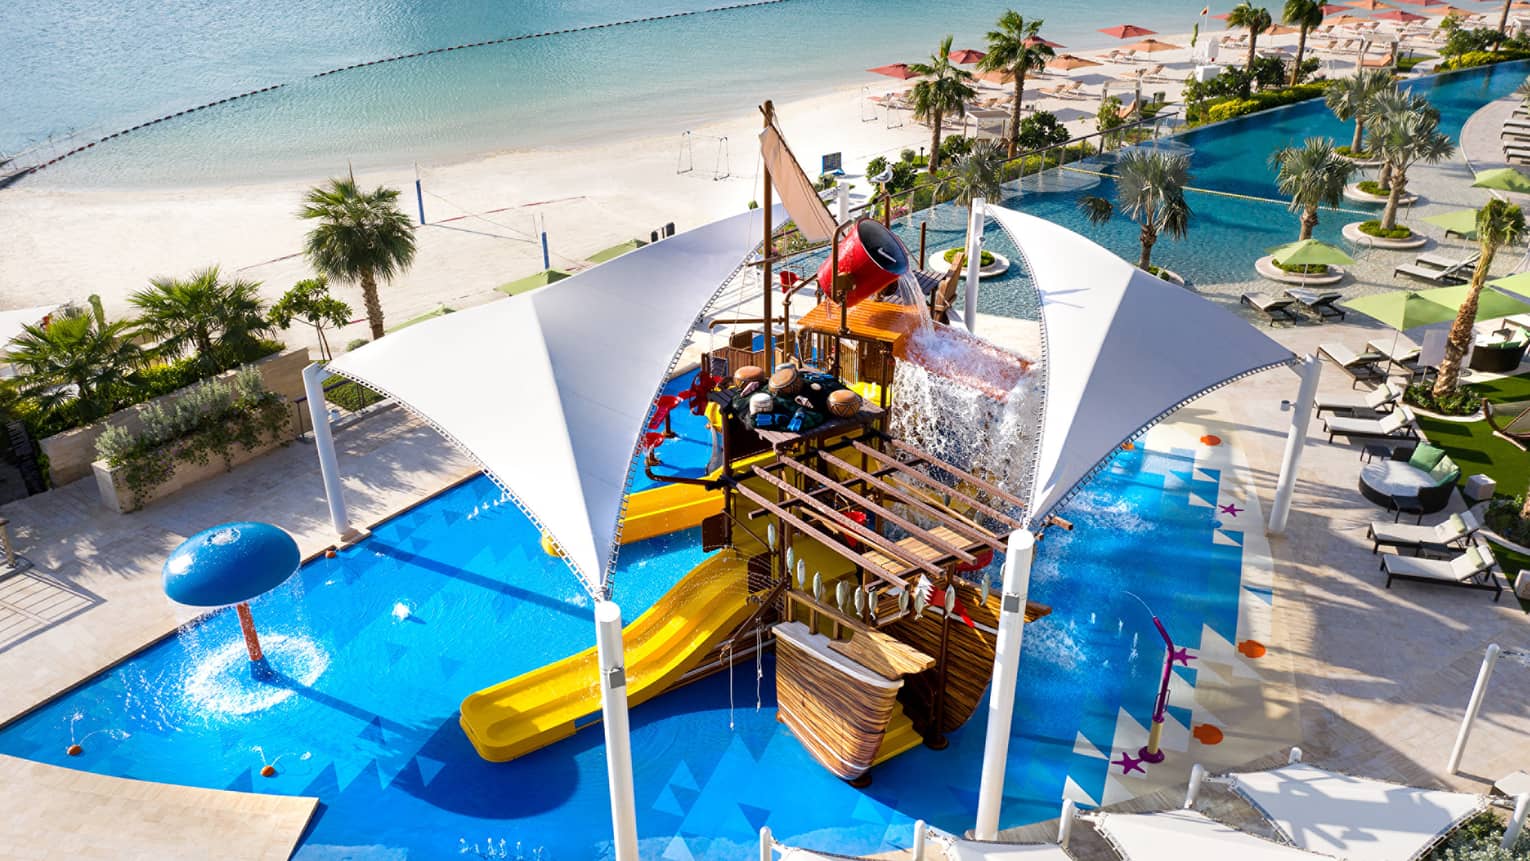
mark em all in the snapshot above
pixel 53 812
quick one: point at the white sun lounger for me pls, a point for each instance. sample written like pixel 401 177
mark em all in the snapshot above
pixel 1473 569
pixel 1397 424
pixel 1184 835
pixel 1449 534
pixel 937 846
pixel 1361 368
pixel 1378 400
pixel 1353 817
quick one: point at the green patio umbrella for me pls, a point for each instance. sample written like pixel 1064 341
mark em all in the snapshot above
pixel 1403 310
pixel 1310 252
pixel 1517 284
pixel 1462 221
pixel 1503 179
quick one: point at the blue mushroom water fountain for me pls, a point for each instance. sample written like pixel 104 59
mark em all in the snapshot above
pixel 232 564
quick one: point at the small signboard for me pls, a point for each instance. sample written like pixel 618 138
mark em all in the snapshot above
pixel 832 164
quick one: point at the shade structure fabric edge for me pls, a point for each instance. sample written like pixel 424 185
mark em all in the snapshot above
pixel 1087 410
pixel 580 362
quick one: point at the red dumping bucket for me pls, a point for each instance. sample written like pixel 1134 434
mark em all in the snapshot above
pixel 873 258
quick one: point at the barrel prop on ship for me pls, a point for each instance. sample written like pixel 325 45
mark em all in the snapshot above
pixel 870 259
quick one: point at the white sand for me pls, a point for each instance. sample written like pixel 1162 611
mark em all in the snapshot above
pixel 65 244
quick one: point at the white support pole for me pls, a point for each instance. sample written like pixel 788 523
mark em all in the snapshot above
pixel 1065 822
pixel 1473 706
pixel 613 710
pixel 842 201
pixel 919 831
pixel 767 844
pixel 1001 696
pixel 974 261
pixel 1197 776
pixel 324 443
pixel 1296 440
pixel 1517 821
pixel 1294 756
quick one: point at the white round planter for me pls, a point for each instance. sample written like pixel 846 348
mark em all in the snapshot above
pixel 1362 162
pixel 1353 192
pixel 938 264
pixel 1266 268
pixel 1354 234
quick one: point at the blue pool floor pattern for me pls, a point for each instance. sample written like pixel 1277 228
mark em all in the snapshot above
pixel 397 778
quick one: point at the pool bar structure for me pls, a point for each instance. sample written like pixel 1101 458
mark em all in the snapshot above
pixel 863 558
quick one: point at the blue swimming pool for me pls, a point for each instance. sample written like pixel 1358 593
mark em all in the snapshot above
pixel 378 646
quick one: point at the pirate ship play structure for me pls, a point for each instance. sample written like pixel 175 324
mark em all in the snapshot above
pixel 850 539
pixel 863 558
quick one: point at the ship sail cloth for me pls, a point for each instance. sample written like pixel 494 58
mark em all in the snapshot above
pixel 795 189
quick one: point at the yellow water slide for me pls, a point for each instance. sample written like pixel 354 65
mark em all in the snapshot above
pixel 668 508
pixel 524 714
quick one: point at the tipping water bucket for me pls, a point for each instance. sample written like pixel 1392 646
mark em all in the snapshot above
pixel 871 256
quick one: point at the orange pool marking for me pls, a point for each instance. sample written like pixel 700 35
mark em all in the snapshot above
pixel 1128 445
pixel 1211 439
pixel 1252 648
pixel 1207 734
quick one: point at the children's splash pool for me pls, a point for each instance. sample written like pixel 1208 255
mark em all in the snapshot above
pixel 377 647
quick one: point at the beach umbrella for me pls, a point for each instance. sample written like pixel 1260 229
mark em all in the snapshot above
pixel 1151 46
pixel 1128 31
pixel 1333 8
pixel 1344 21
pixel 1069 62
pixel 1503 179
pixel 1032 41
pixel 1222 16
pixel 1367 5
pixel 1421 2
pixel 1310 252
pixel 1462 221
pixel 997 77
pixel 966 55
pixel 1281 30
pixel 1399 16
pixel 1490 305
pixel 900 71
pixel 1448 11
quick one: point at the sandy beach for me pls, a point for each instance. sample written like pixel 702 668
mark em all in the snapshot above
pixel 64 244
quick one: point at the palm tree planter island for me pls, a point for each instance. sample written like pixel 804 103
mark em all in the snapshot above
pixel 993 263
pixel 1354 232
pixel 1355 194
pixel 1269 269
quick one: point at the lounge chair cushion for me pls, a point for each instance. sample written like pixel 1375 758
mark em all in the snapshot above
pixel 1426 456
pixel 1444 470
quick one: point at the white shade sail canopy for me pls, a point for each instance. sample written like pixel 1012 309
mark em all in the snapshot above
pixel 1184 835
pixel 549 390
pixel 1121 350
pixel 1354 818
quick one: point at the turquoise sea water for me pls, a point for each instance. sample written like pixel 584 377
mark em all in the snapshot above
pixel 72 66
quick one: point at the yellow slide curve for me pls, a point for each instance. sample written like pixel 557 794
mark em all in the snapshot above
pixel 531 711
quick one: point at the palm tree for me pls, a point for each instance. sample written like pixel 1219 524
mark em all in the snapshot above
pixel 1016 47
pixel 1257 20
pixel 1349 99
pixel 1407 131
pixel 979 173
pixel 1303 15
pixel 1499 223
pixel 79 358
pixel 310 301
pixel 943 92
pixel 1150 190
pixel 361 236
pixel 1503 30
pixel 1312 175
pixel 218 321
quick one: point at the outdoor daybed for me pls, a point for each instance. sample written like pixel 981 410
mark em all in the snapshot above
pixel 1417 480
pixel 1498 356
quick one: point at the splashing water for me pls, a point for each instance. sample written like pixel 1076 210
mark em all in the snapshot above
pixel 966 402
pixel 219 681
